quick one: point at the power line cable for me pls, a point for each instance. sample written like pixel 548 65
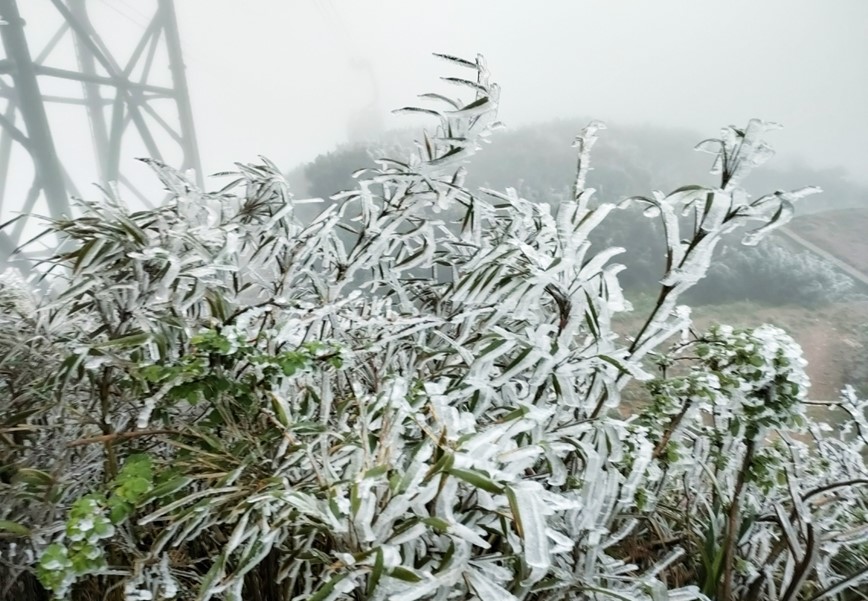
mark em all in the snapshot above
pixel 336 26
pixel 126 16
pixel 133 9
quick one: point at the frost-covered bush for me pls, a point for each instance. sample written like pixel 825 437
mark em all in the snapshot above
pixel 747 474
pixel 413 395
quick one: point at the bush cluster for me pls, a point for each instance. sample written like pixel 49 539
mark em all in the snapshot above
pixel 414 394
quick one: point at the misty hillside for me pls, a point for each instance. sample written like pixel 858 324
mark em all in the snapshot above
pixel 628 160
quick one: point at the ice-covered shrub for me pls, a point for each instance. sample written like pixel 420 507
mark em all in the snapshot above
pixel 734 465
pixel 415 395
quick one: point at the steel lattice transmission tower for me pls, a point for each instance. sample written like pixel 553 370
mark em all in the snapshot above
pixel 80 71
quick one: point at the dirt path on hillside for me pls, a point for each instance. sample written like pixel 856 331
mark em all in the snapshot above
pixel 840 233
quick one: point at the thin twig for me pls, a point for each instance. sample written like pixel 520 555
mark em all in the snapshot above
pixel 117 437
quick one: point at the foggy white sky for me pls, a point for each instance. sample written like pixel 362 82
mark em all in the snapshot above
pixel 273 77
pixel 276 77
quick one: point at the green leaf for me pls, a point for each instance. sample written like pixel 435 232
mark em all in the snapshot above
pixel 127 341
pixel 292 362
pixel 591 317
pixel 137 465
pixel 212 575
pixel 355 499
pixel 33 477
pixel 376 471
pixel 477 479
pixel 325 590
pixel 405 574
pixel 86 253
pixel 491 347
pixel 119 510
pixel 691 188
pixel 513 506
pixel 473 108
pixel 14 528
pixel 416 109
pixel 516 361
pixel 446 561
pixel 281 409
pixel 376 573
pixel 413 256
pixel 441 465
pixel 613 361
pixel 308 427
pixel 209 440
pixel 438 524
pixel 166 488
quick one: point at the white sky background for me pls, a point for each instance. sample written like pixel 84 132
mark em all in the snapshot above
pixel 272 77
pixel 275 77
